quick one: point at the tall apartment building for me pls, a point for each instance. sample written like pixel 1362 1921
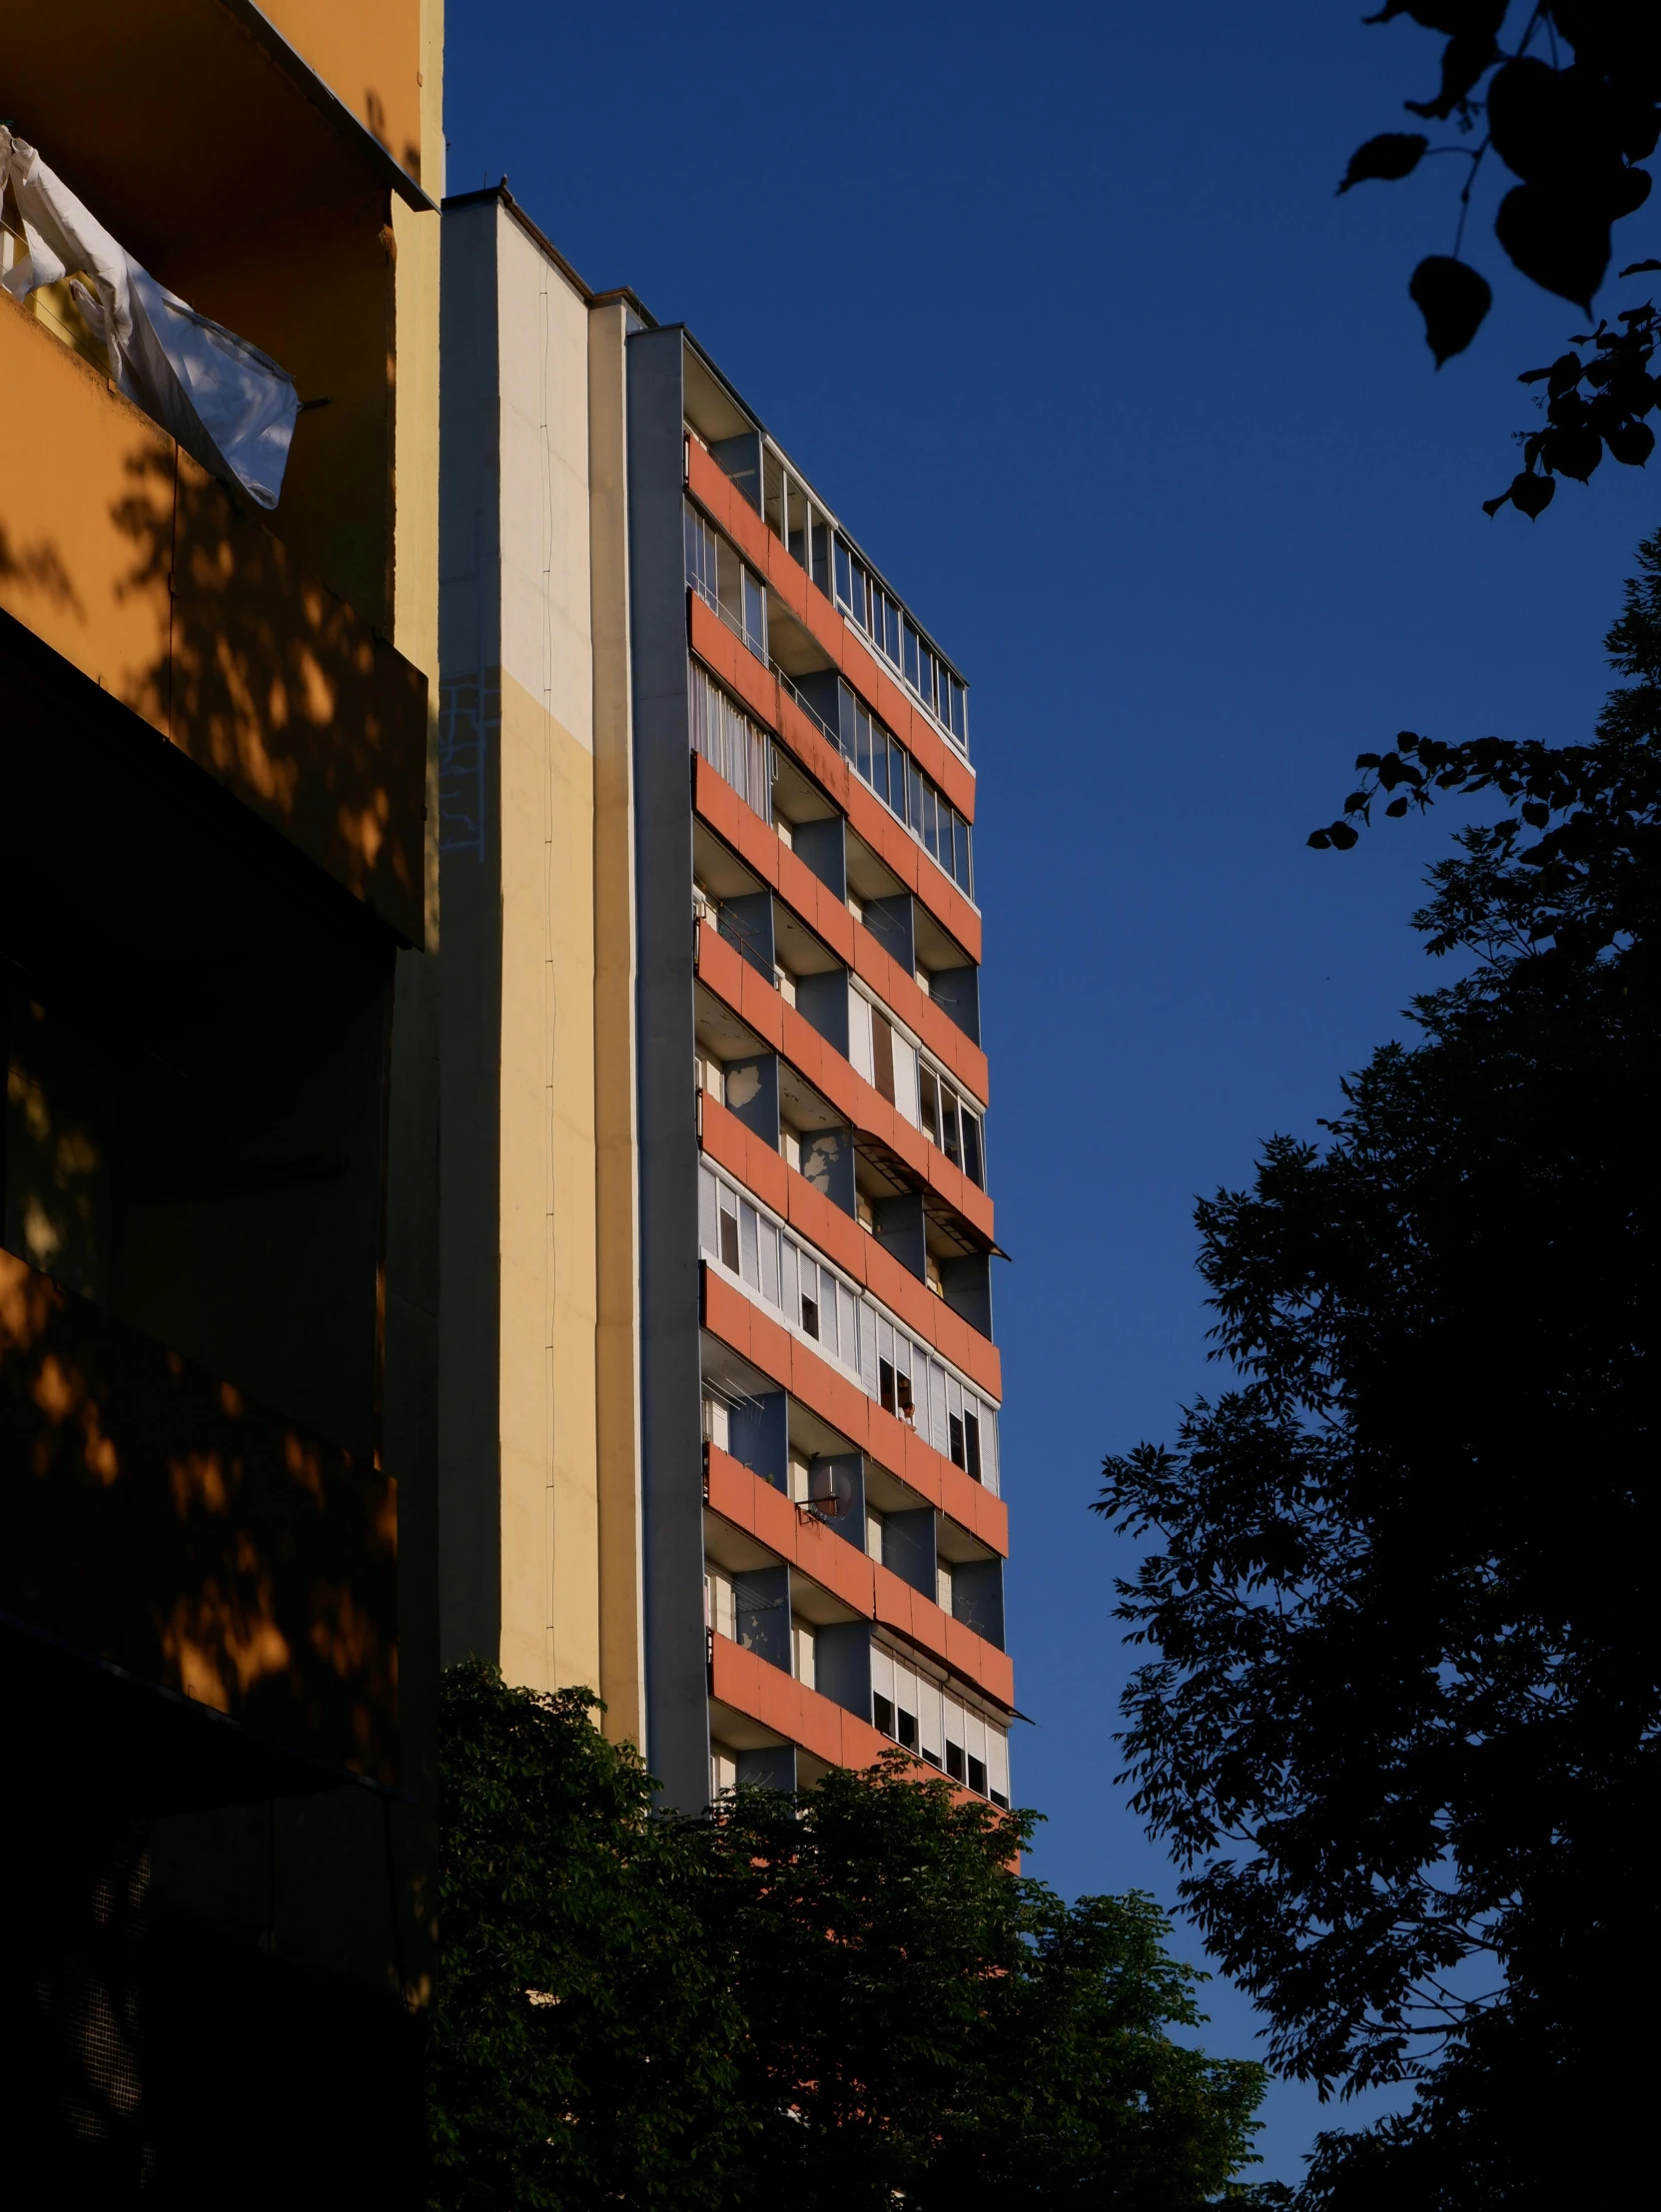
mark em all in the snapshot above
pixel 216 1306
pixel 719 1388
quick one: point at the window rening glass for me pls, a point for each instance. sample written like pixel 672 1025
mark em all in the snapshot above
pixel 738 749
pixel 880 760
pixel 725 582
pixel 905 1377
pixel 891 632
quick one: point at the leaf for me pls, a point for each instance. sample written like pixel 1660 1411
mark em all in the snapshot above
pixel 1397 807
pixel 1464 58
pixel 1343 836
pixel 1531 495
pixel 1630 442
pixel 1640 267
pixel 1367 760
pixel 1565 373
pixel 1318 839
pixel 1453 299
pixel 1355 802
pixel 1388 157
pixel 1575 449
pixel 1535 814
pixel 1561 244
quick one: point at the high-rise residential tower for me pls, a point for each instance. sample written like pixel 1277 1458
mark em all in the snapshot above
pixel 720 1401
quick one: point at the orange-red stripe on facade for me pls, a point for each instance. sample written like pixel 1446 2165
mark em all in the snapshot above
pixel 769 1345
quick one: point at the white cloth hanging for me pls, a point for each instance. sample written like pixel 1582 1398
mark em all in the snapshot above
pixel 226 402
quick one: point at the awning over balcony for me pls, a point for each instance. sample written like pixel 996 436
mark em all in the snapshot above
pixel 229 406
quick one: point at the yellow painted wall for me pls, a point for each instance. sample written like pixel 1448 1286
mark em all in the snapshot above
pixel 373 55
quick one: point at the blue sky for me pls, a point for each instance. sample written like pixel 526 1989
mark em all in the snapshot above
pixel 1057 307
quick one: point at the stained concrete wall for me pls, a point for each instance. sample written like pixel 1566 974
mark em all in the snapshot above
pixel 521 1273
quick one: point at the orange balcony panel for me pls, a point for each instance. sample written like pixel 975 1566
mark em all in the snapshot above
pixel 891 1442
pixel 155 1515
pixel 726 505
pixel 760 846
pixel 847 1246
pixel 780 1703
pixel 120 554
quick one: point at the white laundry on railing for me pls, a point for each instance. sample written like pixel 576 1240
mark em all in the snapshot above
pixel 226 402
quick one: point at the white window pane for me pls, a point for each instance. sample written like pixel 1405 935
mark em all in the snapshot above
pixel 905 1079
pixel 750 1264
pixel 859 1033
pixel 706 1211
pixel 769 1239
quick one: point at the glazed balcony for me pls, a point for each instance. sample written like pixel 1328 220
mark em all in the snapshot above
pixel 120 554
pixel 159 1517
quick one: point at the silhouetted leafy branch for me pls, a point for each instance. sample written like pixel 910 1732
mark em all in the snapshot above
pixel 1573 131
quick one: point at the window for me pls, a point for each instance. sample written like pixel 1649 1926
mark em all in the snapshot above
pixel 900 643
pixel 736 748
pixel 729 1231
pixel 953 1761
pixel 882 1054
pixel 725 582
pixel 977 1775
pixel 873 1535
pixel 802 1653
pixel 882 1715
pixel 905 1729
pixel 849 1327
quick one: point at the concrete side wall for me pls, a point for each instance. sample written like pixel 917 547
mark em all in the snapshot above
pixel 520 1538
pixel 618 1253
pixel 677 1713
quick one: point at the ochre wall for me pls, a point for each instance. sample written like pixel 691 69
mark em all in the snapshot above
pixel 371 54
pixel 126 558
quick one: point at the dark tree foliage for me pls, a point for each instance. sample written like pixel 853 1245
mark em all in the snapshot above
pixel 583 2036
pixel 1401 1726
pixel 925 2020
pixel 819 2001
pixel 1567 97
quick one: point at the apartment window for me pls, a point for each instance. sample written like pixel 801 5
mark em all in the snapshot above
pixel 902 646
pixel 880 760
pixel 954 1762
pixel 905 1729
pixel 802 1652
pixel 725 582
pixel 873 1535
pixel 882 1055
pixel 950 1123
pixel 905 1377
pixel 736 748
pixel 882 1715
pixel 977 1775
pixel 729 1230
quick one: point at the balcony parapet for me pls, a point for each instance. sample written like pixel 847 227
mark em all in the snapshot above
pixel 155 1515
pixel 125 557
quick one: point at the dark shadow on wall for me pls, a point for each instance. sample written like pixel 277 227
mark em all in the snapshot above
pixel 277 687
pixel 156 1515
pixel 147 2059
